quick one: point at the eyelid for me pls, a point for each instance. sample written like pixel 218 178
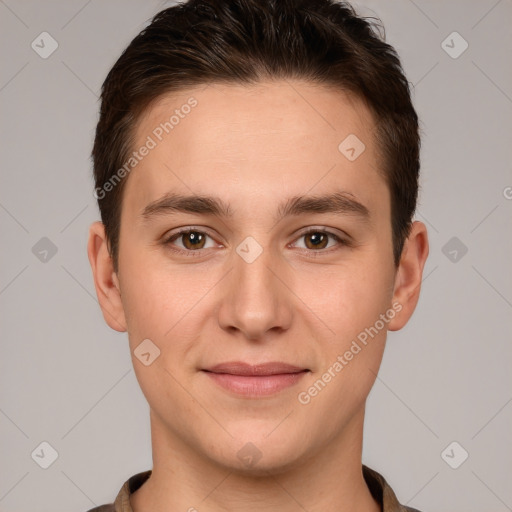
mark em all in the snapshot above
pixel 342 240
pixel 322 229
pixel 166 239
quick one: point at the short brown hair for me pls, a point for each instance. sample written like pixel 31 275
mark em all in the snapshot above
pixel 247 41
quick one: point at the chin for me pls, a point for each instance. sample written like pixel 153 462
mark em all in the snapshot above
pixel 256 453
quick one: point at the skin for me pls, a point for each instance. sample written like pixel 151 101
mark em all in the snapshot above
pixel 253 147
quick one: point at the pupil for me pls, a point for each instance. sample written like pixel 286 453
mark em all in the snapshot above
pixel 194 237
pixel 317 237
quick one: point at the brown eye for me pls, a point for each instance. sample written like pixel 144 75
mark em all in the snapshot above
pixel 188 240
pixel 193 239
pixel 316 240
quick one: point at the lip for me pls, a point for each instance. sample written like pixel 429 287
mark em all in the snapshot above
pixel 255 380
pixel 241 368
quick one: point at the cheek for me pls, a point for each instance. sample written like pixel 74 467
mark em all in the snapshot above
pixel 161 301
pixel 352 307
pixel 146 295
pixel 348 299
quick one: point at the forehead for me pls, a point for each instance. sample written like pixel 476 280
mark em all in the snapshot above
pixel 290 108
pixel 264 138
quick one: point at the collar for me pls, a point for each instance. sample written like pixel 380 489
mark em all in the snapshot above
pixel 377 484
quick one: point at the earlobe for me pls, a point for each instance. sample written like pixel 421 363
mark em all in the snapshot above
pixel 409 274
pixel 106 282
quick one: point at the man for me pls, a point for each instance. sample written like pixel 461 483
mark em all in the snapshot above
pixel 256 167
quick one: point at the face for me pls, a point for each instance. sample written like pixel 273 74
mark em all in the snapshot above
pixel 286 260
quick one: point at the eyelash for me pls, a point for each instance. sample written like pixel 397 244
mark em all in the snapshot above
pixel 195 253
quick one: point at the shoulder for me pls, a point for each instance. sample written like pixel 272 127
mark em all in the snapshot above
pixel 123 497
pixel 383 493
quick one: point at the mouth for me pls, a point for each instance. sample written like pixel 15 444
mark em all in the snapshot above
pixel 255 380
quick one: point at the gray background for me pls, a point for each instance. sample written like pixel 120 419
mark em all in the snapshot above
pixel 67 379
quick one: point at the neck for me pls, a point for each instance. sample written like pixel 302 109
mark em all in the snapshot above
pixel 182 479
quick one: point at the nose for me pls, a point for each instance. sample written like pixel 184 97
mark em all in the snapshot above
pixel 256 299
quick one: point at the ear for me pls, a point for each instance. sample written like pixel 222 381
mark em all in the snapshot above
pixel 409 275
pixel 105 279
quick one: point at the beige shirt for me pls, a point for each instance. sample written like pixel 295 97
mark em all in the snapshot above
pixel 378 486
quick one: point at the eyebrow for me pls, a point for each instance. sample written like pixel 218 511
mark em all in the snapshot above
pixel 340 202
